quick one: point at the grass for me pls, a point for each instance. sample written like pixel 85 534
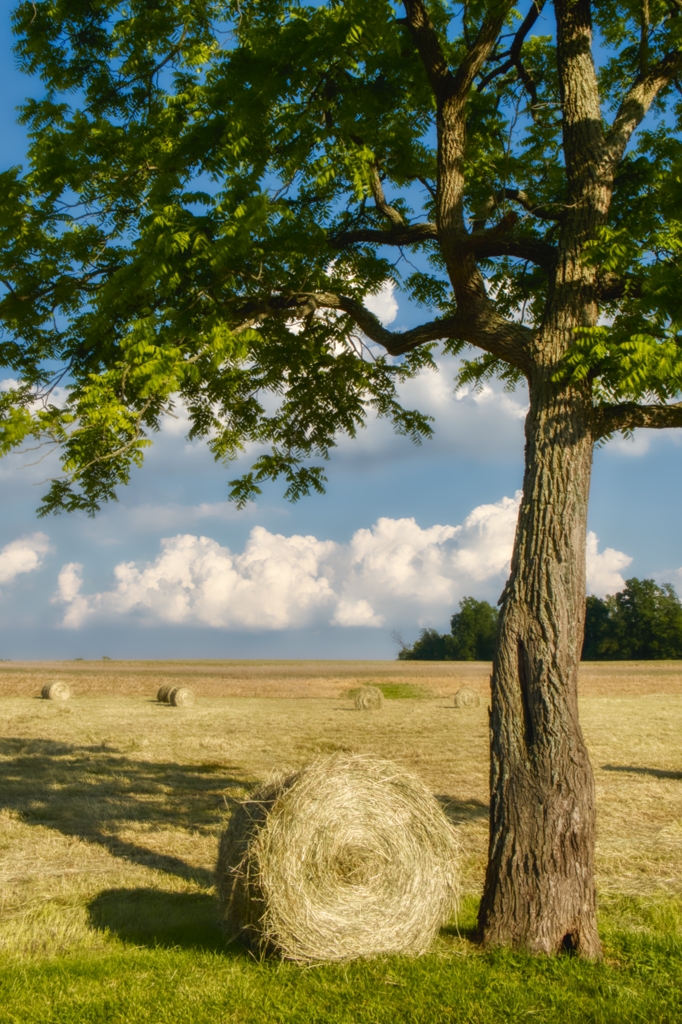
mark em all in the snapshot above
pixel 110 808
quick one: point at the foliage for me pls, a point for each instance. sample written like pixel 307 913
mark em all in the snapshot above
pixel 471 638
pixel 643 621
pixel 201 218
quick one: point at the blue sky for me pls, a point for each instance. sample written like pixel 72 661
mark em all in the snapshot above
pixel 172 570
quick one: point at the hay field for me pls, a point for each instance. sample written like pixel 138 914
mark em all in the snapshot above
pixel 110 799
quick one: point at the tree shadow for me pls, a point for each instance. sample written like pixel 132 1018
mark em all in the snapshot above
pixel 657 773
pixel 95 793
pixel 154 918
pixel 462 811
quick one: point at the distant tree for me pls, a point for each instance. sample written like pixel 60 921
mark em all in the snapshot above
pixel 643 621
pixel 431 646
pixel 473 630
pixel 471 637
pixel 597 625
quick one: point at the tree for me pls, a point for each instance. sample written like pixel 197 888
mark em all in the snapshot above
pixel 215 186
pixel 430 646
pixel 642 621
pixel 471 637
pixel 473 630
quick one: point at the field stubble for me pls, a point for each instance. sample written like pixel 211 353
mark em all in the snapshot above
pixel 111 804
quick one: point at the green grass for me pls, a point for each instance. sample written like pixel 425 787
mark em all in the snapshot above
pixel 162 960
pixel 395 691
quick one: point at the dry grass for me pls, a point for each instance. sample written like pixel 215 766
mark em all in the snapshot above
pixel 114 791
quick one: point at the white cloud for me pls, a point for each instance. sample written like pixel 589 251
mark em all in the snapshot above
pixel 394 571
pixel 603 570
pixel 489 532
pixel 23 555
pixel 383 303
pixel 274 584
pixel 69 583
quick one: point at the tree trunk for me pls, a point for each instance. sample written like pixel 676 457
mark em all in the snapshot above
pixel 539 890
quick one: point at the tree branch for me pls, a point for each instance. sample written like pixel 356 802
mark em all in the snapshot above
pixel 480 326
pixel 408 234
pixel 514 53
pixel 380 199
pixel 636 103
pixel 497 241
pixel 429 49
pixel 628 415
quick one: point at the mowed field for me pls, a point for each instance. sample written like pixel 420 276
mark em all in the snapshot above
pixel 111 806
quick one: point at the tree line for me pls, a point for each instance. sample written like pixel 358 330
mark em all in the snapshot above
pixel 641 622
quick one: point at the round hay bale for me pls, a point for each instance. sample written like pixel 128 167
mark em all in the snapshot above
pixel 467 698
pixel 349 857
pixel 55 690
pixel 369 698
pixel 181 696
pixel 163 693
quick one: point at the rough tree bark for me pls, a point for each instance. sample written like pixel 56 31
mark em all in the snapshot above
pixel 539 891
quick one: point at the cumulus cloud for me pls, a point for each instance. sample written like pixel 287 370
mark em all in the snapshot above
pixel 274 584
pixel 23 555
pixel 394 571
pixel 603 570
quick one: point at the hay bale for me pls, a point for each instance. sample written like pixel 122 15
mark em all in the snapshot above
pixel 55 690
pixel 349 857
pixel 369 698
pixel 163 693
pixel 467 698
pixel 181 696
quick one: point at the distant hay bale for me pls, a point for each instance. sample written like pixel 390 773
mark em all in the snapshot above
pixel 467 698
pixel 181 696
pixel 55 690
pixel 369 698
pixel 163 693
pixel 349 857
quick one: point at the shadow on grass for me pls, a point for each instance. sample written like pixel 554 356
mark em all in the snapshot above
pixel 150 917
pixel 657 773
pixel 95 793
pixel 461 811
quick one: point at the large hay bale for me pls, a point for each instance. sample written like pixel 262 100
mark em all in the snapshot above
pixel 369 698
pixel 55 690
pixel 163 693
pixel 181 696
pixel 349 857
pixel 467 698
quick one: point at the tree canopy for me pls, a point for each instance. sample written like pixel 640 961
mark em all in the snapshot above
pixel 642 621
pixel 213 187
pixel 471 636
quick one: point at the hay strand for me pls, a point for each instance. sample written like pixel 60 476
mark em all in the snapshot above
pixel 369 698
pixel 467 698
pixel 349 857
pixel 55 690
pixel 181 696
pixel 163 693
